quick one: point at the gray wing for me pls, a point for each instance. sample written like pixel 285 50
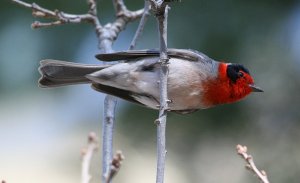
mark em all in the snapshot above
pixel 186 54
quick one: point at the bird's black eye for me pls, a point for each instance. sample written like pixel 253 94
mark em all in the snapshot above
pixel 236 71
pixel 240 74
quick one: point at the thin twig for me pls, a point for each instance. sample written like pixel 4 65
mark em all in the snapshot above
pixel 242 151
pixel 119 6
pixel 115 166
pixel 122 11
pixel 141 26
pixel 87 155
pixel 161 11
pixel 59 17
pixel 110 31
pixel 106 34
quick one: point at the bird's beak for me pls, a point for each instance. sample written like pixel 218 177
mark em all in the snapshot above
pixel 255 88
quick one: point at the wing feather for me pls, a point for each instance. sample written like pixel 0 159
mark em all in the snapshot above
pixel 135 54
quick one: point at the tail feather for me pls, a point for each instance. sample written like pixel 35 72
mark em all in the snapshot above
pixel 59 73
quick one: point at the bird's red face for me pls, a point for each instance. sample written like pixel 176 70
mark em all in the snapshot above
pixel 233 83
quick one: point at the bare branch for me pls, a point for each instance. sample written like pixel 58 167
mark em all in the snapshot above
pixel 122 11
pixel 119 6
pixel 115 166
pixel 142 23
pixel 38 24
pixel 110 31
pixel 161 11
pixel 242 151
pixel 158 6
pixel 106 35
pixel 59 16
pixel 87 155
pixel 92 7
pixel 110 103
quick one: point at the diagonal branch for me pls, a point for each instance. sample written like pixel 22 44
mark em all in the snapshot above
pixel 141 26
pixel 122 11
pixel 242 151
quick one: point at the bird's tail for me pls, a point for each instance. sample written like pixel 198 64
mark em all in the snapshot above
pixel 59 73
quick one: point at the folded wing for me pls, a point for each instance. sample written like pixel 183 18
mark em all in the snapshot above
pixel 186 54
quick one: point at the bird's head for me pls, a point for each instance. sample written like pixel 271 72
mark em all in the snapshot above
pixel 233 83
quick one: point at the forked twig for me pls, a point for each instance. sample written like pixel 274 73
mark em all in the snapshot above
pixel 60 17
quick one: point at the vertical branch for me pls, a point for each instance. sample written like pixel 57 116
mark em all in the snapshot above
pixel 110 103
pixel 161 122
pixel 106 37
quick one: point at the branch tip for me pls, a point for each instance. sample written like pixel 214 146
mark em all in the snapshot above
pixel 61 17
pixel 92 138
pixel 263 172
pixel 83 152
pixel 38 14
pixel 87 154
pixel 250 165
pixel 115 165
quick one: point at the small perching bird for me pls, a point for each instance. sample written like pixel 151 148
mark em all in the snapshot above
pixel 195 81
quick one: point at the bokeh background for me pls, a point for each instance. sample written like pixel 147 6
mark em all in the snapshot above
pixel 42 131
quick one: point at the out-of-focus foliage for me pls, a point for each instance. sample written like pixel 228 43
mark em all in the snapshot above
pixel 42 131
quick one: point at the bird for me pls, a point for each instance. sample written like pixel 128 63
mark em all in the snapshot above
pixel 194 81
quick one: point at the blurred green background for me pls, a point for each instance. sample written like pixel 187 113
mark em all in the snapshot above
pixel 42 131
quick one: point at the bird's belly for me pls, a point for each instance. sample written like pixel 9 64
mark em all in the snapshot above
pixel 185 99
pixel 181 98
pixel 184 89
